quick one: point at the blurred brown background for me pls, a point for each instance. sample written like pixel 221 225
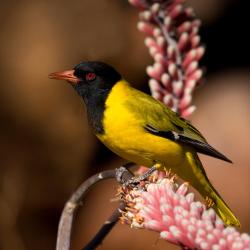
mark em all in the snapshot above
pixel 47 149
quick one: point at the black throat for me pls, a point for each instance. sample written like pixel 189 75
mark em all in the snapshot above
pixel 95 109
pixel 96 90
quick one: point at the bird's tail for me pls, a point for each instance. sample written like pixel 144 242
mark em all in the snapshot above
pixel 223 210
pixel 202 184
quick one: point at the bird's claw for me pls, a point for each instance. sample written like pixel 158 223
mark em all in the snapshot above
pixel 123 174
pixel 143 177
pixel 126 178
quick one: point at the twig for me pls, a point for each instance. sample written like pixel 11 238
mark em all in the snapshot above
pixel 66 220
pixel 105 229
pixel 122 175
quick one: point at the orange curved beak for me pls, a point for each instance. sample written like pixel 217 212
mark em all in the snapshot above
pixel 67 75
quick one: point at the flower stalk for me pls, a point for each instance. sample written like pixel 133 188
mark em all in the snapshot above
pixel 174 44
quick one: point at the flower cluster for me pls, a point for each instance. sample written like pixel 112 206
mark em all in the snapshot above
pixel 163 206
pixel 173 42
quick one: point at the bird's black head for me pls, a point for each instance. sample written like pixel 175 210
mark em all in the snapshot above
pixel 93 81
pixel 90 78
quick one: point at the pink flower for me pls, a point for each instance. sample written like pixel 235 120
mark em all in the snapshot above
pixel 163 206
pixel 174 43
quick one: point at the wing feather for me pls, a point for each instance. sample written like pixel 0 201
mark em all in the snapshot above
pixel 161 121
pixel 199 146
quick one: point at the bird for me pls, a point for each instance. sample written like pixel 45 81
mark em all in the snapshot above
pixel 143 130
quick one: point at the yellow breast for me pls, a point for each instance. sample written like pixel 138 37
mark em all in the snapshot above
pixel 125 134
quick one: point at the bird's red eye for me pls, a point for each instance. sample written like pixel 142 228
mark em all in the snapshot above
pixel 90 76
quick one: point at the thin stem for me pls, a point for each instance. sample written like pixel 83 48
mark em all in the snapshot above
pixel 105 229
pixel 123 175
pixel 66 220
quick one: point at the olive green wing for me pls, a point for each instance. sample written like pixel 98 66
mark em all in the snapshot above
pixel 161 121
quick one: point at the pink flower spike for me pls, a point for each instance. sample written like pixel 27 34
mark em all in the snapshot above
pixel 176 11
pixel 165 79
pixel 172 69
pixel 155 8
pixel 191 55
pixel 184 27
pixel 167 22
pixel 186 222
pixel 153 51
pixel 154 85
pixel 185 101
pixel 157 32
pixel 196 75
pixel 195 41
pixel 191 68
pixel 150 42
pixel 168 100
pixel 146 28
pixel 171 52
pixel 161 41
pixel 177 88
pixel 159 58
pixel 199 53
pixel 145 15
pixel 168 236
pixel 187 112
pixel 153 72
pixel 183 41
pixel 157 95
pixel 190 84
pixel 182 190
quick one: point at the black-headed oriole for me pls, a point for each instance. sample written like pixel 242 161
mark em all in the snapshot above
pixel 143 130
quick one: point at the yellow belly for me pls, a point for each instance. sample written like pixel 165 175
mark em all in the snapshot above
pixel 144 149
pixel 126 136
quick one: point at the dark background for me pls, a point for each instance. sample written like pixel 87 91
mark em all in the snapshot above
pixel 46 147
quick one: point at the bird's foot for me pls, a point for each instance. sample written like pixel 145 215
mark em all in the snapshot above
pixel 135 180
pixel 126 177
pixel 123 174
